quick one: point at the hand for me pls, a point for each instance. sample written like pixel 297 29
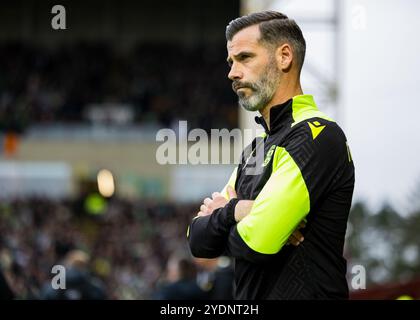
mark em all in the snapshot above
pixel 296 238
pixel 242 209
pixel 217 201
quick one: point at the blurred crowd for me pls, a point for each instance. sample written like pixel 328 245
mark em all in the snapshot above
pixel 160 84
pixel 131 250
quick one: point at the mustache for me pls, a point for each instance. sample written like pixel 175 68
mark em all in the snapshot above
pixel 236 85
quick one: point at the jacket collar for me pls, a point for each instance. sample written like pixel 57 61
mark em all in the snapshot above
pixel 283 113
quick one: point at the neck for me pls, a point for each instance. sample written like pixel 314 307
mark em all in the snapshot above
pixel 286 90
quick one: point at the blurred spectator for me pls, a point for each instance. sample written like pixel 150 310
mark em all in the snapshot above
pixel 6 292
pixel 128 245
pixel 79 284
pixel 181 281
pixel 216 277
pixel 153 83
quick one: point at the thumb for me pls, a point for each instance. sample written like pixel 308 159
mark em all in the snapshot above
pixel 231 192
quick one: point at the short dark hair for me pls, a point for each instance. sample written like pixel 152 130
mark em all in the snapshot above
pixel 275 28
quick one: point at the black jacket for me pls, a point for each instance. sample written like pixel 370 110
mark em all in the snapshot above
pixel 301 168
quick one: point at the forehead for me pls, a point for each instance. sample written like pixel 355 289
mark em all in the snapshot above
pixel 246 38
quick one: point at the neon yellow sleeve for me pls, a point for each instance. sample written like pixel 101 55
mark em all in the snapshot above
pixel 278 209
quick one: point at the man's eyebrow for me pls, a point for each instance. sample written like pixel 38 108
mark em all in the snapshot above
pixel 241 53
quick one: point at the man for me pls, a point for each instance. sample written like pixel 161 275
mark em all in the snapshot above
pixel 181 281
pixel 216 277
pixel 80 284
pixel 307 176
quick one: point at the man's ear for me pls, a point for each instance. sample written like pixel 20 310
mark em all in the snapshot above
pixel 284 57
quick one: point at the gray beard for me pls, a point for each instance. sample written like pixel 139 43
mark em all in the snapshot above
pixel 262 91
pixel 256 101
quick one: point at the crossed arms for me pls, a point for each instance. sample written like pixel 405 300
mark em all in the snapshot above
pixel 253 230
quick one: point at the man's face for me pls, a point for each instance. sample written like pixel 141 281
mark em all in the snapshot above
pixel 254 72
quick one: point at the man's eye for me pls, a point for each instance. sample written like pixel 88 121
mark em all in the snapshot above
pixel 244 57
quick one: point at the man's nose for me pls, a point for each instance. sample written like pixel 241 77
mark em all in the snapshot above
pixel 235 73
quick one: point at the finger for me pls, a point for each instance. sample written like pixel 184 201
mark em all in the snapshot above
pixel 231 192
pixel 203 214
pixel 215 195
pixel 298 235
pixel 293 240
pixel 204 209
pixel 207 201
